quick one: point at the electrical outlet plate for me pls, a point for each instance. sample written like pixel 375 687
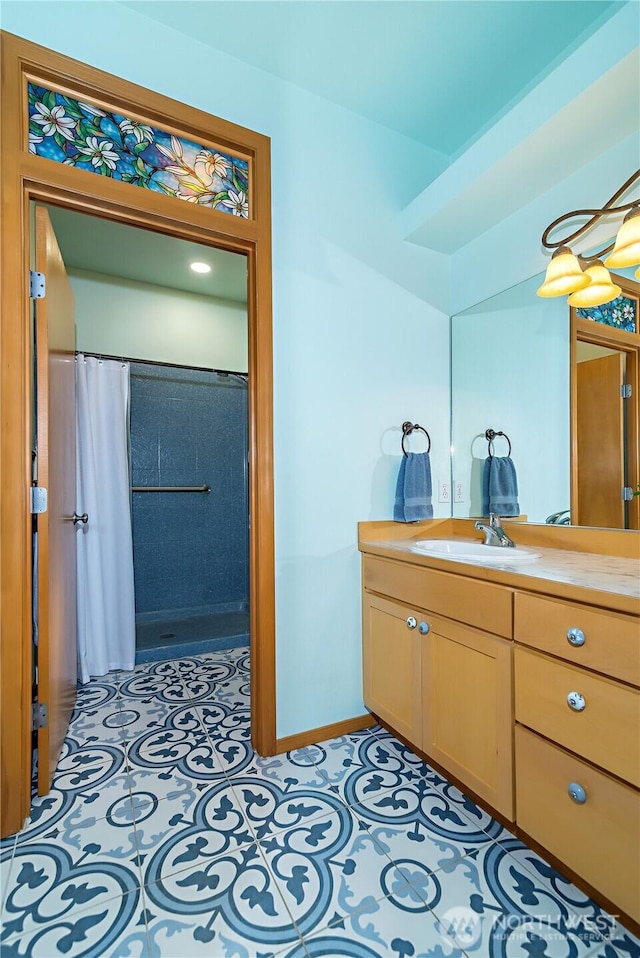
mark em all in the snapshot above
pixel 458 492
pixel 444 490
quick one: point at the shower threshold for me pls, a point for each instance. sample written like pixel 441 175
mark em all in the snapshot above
pixel 179 635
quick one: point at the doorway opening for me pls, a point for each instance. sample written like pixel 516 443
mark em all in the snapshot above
pixel 138 306
pixel 184 336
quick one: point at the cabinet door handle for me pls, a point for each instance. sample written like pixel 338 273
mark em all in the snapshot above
pixel 424 628
pixel 576 701
pixel 577 793
pixel 575 636
pixel 412 622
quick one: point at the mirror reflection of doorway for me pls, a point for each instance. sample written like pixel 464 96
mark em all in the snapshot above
pixel 605 460
pixel 602 473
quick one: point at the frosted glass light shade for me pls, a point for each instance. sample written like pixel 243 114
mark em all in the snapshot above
pixel 626 251
pixel 564 274
pixel 600 289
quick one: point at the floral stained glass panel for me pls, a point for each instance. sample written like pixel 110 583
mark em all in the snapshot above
pixel 621 313
pixel 82 135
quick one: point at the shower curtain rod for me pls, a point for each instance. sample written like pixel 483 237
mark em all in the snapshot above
pixel 155 362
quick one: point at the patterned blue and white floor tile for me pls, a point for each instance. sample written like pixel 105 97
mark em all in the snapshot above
pixel 166 836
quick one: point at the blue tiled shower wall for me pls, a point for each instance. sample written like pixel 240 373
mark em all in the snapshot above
pixel 189 428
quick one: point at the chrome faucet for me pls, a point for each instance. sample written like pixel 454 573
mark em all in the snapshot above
pixel 494 534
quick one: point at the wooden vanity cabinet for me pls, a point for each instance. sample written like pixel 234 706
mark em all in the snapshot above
pixel 443 684
pixel 545 729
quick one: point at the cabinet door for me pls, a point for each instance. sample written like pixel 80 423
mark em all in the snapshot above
pixel 391 660
pixel 468 709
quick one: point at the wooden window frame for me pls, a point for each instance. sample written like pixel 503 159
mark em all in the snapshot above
pixel 25 179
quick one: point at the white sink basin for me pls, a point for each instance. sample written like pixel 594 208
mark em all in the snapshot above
pixel 461 549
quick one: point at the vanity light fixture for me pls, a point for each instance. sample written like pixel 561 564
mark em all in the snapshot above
pixel 586 277
pixel 564 274
pixel 598 289
pixel 626 251
pixel 200 267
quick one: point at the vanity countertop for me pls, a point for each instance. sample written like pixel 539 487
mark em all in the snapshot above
pixel 592 578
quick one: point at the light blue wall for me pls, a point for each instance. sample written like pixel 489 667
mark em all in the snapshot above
pixel 510 372
pixel 360 326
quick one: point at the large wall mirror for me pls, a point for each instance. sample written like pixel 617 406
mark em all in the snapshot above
pixel 525 367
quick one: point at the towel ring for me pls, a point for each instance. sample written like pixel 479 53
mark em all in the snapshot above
pixel 408 428
pixel 491 434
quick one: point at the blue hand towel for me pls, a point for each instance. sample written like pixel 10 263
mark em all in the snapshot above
pixel 486 476
pixel 398 506
pixel 500 487
pixel 414 489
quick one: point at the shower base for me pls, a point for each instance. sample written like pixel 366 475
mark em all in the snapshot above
pixel 177 635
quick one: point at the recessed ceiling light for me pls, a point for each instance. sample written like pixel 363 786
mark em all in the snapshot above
pixel 200 267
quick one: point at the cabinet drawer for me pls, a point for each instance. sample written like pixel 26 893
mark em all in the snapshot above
pixel 482 604
pixel 606 731
pixel 599 839
pixel 611 640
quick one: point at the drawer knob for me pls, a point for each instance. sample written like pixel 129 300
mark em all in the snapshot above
pixel 424 628
pixel 412 622
pixel 577 793
pixel 576 701
pixel 575 637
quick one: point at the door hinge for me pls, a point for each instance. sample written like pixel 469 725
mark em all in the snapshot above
pixel 37 285
pixel 38 500
pixel 627 493
pixel 39 715
pixel 626 390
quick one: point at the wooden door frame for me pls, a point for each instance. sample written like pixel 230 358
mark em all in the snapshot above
pixel 588 331
pixel 27 178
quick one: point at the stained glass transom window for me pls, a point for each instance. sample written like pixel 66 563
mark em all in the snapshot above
pixel 82 135
pixel 621 313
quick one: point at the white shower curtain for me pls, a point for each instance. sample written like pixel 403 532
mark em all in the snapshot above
pixel 106 609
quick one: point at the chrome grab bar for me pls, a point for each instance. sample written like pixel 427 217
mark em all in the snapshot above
pixel 204 488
